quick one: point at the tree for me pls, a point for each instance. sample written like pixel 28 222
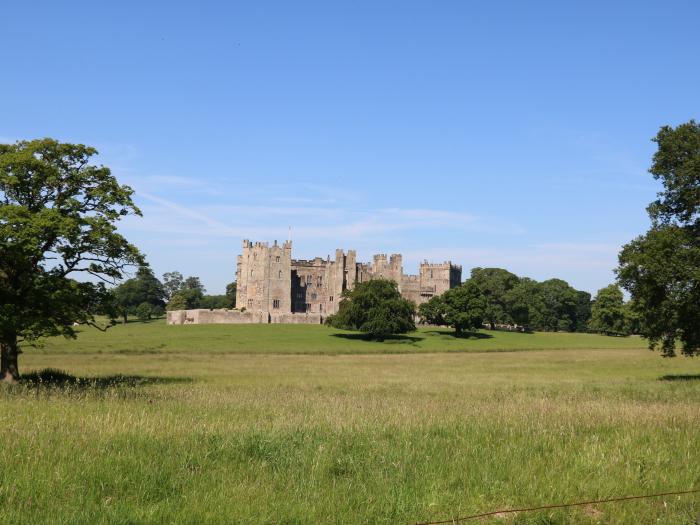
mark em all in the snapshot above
pixel 185 294
pixel 523 303
pixel 494 284
pixel 143 288
pixel 465 307
pixel 433 311
pixel 583 311
pixel 676 164
pixel 558 303
pixel 231 294
pixel 144 311
pixel 57 221
pixel 172 283
pixel 661 269
pixel 214 302
pixel 376 308
pixel 608 312
pixel 193 283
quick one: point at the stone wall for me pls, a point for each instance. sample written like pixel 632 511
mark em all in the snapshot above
pixel 203 316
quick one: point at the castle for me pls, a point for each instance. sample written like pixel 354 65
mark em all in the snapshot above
pixel 274 288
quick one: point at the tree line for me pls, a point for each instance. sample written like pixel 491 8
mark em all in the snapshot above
pixel 491 298
pixel 144 296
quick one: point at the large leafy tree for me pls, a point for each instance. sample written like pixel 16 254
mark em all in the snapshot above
pixel 172 283
pixel 189 295
pixel 141 291
pixel 661 269
pixel 463 308
pixel 231 294
pixel 58 215
pixel 376 308
pixel 558 305
pixel 608 312
pixel 494 284
pixel 524 303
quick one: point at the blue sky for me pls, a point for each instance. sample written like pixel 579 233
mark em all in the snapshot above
pixel 510 134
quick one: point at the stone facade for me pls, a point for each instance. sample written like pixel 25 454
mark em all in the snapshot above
pixel 269 280
pixel 274 288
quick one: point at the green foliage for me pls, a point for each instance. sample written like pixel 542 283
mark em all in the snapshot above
pixel 432 312
pixel 608 312
pixel 173 282
pixel 559 303
pixel 661 269
pixel 376 308
pixel 58 217
pixel 494 284
pixel 524 303
pixel 215 302
pixel 143 288
pixel 186 294
pixel 463 308
pixel 231 294
pixel 144 311
pixel 583 311
pixel 676 164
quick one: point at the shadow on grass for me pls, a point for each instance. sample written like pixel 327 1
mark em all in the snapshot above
pixel 389 339
pixel 52 378
pixel 463 335
pixel 680 377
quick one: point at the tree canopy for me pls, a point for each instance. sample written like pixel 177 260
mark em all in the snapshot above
pixel 143 292
pixel 661 269
pixel 608 313
pixel 464 308
pixel 494 284
pixel 376 308
pixel 58 215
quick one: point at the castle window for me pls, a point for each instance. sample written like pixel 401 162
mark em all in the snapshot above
pixel 276 304
pixel 277 259
pixel 307 306
pixel 330 298
pixel 320 280
pixel 309 279
pixel 279 275
pixel 251 272
pixel 313 296
pixel 320 308
pixel 431 274
pixel 250 303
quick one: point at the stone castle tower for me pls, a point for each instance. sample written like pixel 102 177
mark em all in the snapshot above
pixel 269 280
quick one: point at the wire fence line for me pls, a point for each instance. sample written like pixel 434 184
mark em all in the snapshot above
pixel 557 506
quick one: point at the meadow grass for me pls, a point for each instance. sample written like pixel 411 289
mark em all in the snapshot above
pixel 251 436
pixel 157 337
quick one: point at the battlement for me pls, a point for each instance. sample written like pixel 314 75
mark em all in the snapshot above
pixel 441 266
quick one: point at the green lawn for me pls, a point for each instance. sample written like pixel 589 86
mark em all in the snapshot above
pixel 157 337
pixel 232 424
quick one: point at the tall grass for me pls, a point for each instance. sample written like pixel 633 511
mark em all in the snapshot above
pixel 246 438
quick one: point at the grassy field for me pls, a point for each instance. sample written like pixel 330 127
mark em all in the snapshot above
pixel 292 424
pixel 157 337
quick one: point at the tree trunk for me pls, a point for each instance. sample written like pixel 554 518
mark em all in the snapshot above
pixel 124 314
pixel 9 371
